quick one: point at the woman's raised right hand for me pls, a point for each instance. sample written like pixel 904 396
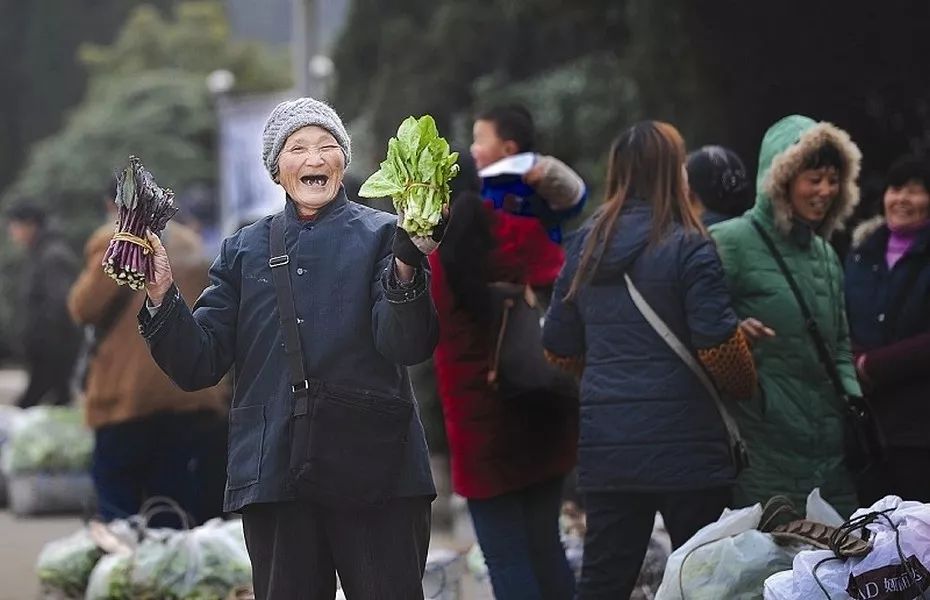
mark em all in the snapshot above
pixel 161 280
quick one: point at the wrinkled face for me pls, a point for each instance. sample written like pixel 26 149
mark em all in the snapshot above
pixel 812 193
pixel 310 168
pixel 487 147
pixel 907 206
pixel 21 233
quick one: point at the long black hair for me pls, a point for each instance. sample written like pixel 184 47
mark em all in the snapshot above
pixel 468 243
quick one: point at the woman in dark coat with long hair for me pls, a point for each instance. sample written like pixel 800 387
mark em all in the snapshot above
pixel 651 437
pixel 509 455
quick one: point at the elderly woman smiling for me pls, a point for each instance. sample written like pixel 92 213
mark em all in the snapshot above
pixel 888 299
pixel 318 309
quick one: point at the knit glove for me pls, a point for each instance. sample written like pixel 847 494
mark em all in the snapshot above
pixel 411 250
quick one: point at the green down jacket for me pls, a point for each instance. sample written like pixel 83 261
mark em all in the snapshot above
pixel 794 426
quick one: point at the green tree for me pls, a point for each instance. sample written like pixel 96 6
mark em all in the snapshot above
pixel 40 74
pixel 585 69
pixel 146 96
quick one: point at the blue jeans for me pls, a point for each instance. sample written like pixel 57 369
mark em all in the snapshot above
pixel 178 455
pixel 519 535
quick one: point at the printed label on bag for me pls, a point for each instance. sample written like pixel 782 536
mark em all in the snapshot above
pixel 893 582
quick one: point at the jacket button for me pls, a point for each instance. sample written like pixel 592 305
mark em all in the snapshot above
pixel 875 268
pixel 300 270
pixel 881 318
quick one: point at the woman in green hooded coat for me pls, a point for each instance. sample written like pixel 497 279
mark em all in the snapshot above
pixel 806 188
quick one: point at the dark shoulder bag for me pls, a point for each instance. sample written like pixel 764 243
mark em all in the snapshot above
pixel 518 363
pixel 347 443
pixel 864 440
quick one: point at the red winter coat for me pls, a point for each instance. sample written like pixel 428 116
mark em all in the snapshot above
pixel 500 446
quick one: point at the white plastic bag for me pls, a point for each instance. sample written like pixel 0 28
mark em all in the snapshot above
pixel 110 578
pixel 65 565
pixel 205 563
pixel 878 576
pixel 731 558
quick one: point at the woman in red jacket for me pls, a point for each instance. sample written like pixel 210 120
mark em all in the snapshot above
pixel 509 456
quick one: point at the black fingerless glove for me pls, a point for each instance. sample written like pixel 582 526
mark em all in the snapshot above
pixel 407 251
pixel 404 248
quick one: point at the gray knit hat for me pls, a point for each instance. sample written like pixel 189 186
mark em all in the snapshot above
pixel 291 115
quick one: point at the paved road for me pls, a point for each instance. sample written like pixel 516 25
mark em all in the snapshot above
pixel 21 539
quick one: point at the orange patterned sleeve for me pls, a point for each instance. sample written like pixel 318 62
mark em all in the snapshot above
pixel 570 364
pixel 732 367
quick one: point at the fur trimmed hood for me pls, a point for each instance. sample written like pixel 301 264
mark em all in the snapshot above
pixel 784 148
pixel 865 230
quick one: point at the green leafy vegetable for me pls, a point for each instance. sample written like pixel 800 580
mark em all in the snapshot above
pixel 65 565
pixel 415 175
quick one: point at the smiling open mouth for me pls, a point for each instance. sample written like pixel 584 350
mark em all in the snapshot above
pixel 314 180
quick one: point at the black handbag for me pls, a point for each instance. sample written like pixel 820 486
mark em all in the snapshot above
pixel 865 446
pixel 518 363
pixel 347 443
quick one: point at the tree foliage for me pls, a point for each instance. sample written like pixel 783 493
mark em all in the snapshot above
pixel 585 69
pixel 722 71
pixel 147 96
pixel 40 73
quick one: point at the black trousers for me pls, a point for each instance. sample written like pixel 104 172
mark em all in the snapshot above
pixel 297 548
pixel 619 528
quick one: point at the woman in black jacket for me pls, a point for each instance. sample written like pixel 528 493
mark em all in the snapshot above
pixel 650 435
pixel 888 303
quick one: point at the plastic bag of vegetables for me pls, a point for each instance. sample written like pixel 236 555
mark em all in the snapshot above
pixel 48 439
pixel 65 565
pixel 110 579
pixel 732 559
pixel 205 563
pixel 415 175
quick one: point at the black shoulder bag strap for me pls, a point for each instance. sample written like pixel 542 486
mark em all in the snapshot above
pixel 823 352
pixel 865 441
pixel 281 276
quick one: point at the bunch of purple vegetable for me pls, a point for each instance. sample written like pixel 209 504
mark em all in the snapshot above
pixel 143 206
